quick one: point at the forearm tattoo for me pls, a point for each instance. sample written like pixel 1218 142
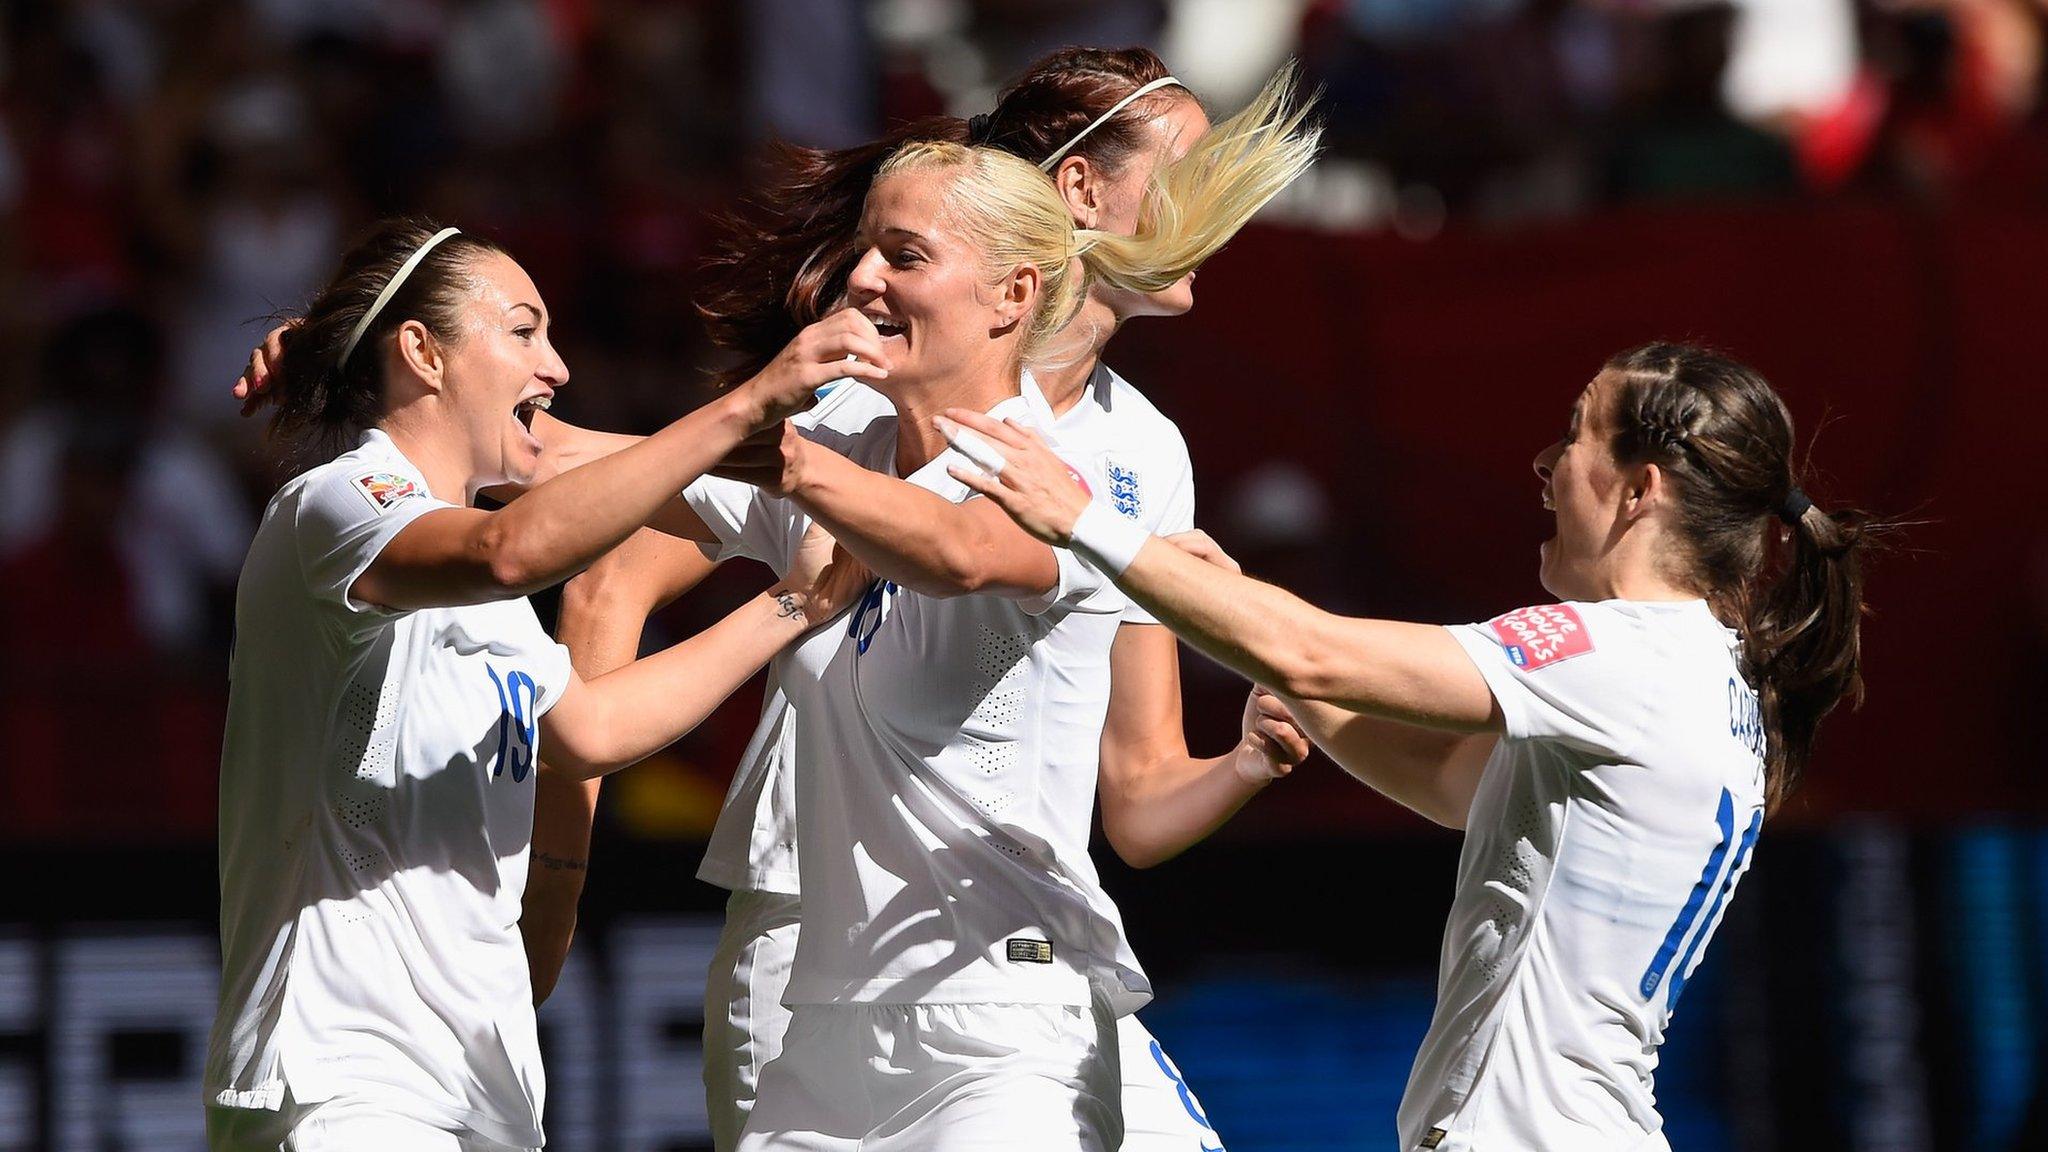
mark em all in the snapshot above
pixel 787 606
pixel 554 863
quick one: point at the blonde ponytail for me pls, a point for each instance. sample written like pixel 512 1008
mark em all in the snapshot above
pixel 1195 204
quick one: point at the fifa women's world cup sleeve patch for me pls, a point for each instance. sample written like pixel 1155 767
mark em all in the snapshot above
pixel 339 534
pixel 384 490
pixel 1535 638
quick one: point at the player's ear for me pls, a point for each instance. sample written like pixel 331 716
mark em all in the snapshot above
pixel 1019 292
pixel 421 353
pixel 1075 179
pixel 1647 489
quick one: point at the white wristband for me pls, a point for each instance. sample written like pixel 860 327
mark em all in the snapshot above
pixel 1107 540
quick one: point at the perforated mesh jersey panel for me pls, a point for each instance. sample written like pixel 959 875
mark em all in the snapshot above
pixel 998 655
pixel 362 770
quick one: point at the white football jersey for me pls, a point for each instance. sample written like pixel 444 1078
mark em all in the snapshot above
pixel 1142 461
pixel 753 845
pixel 1140 455
pixel 1610 828
pixel 1139 461
pixel 376 807
pixel 948 751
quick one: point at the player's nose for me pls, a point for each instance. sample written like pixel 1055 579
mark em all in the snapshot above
pixel 864 283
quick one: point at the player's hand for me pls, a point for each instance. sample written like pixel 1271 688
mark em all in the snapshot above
pixel 840 346
pixel 1203 546
pixel 1037 488
pixel 826 576
pixel 771 460
pixel 252 387
pixel 1272 742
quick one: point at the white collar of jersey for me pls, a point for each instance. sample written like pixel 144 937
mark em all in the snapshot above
pixel 1037 410
pixel 1101 386
pixel 1102 382
pixel 1028 408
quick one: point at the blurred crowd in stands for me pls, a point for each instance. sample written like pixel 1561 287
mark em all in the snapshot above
pixel 173 172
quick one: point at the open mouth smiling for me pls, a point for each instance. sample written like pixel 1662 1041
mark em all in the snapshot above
pixel 524 410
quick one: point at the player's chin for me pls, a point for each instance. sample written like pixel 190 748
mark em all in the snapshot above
pixel 1546 561
pixel 522 463
pixel 1177 300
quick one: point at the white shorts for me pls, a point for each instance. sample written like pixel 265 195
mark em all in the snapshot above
pixel 743 1014
pixel 744 1021
pixel 925 1077
pixel 1161 1113
pixel 340 1125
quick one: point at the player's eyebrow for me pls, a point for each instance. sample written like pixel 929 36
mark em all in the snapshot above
pixel 538 315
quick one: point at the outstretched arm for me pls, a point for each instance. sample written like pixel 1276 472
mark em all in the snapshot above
pixel 1432 772
pixel 1426 770
pixel 905 533
pixel 1415 673
pixel 464 556
pixel 606 723
pixel 563 445
pixel 455 556
pixel 604 611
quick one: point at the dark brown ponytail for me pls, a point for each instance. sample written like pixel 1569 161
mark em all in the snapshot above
pixel 1788 574
pixel 324 402
pixel 785 253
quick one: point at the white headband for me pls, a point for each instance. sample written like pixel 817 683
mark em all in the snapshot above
pixel 384 297
pixel 1046 164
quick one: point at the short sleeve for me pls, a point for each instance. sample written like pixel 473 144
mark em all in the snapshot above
pixel 1562 672
pixel 1171 515
pixel 1079 586
pixel 547 660
pixel 747 521
pixel 347 516
pixel 1177 511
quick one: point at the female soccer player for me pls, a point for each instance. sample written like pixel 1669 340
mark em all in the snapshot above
pixel 390 686
pixel 1098 122
pixel 1611 758
pixel 947 984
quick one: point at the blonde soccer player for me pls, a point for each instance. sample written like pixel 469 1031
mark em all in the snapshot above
pixel 391 688
pixel 1610 757
pixel 952 982
pixel 1098 122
